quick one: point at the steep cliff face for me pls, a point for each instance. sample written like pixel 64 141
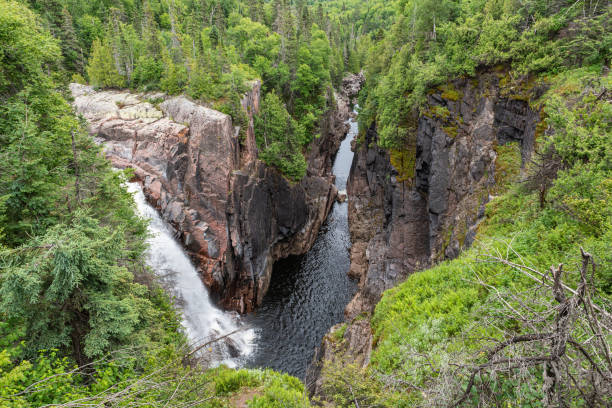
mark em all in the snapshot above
pixel 388 225
pixel 411 208
pixel 234 215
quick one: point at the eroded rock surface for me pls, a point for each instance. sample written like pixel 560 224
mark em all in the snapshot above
pixel 234 215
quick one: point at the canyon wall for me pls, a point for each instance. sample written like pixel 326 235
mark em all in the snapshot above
pixel 411 208
pixel 234 215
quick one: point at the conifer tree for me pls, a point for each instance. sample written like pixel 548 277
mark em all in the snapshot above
pixel 102 70
pixel 254 12
pixel 150 31
pixel 277 15
pixel 71 50
pixel 70 291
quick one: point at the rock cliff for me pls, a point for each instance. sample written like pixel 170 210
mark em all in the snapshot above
pixel 411 208
pixel 234 215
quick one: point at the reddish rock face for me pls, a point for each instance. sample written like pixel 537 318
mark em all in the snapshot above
pixel 234 215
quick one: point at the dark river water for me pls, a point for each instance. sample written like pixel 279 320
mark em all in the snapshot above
pixel 308 293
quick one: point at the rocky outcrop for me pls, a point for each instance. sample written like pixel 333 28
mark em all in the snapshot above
pixel 269 219
pixel 351 85
pixel 343 344
pixel 409 209
pixel 388 225
pixel 234 215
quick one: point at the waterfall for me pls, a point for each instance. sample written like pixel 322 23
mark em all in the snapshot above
pixel 202 321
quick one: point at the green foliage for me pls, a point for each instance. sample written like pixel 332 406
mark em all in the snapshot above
pixel 281 390
pixel 35 129
pixel 338 333
pixel 349 384
pixel 404 162
pixel 432 42
pixel 70 239
pixel 277 138
pixel 68 287
pixel 25 49
pixel 208 50
pixel 13 378
pixel 507 165
pixel 230 381
pixel 148 73
pixel 51 379
pixel 101 70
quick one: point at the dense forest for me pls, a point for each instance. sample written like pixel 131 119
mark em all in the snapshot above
pixel 84 322
pixel 208 50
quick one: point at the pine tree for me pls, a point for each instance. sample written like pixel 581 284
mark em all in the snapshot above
pixel 150 31
pixel 71 50
pixel 102 70
pixel 319 18
pixel 253 10
pixel 277 15
pixel 277 138
pixel 220 21
pixel 33 145
pixel 51 11
pixel 70 290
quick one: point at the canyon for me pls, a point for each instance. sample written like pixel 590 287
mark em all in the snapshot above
pixel 234 215
pixel 411 209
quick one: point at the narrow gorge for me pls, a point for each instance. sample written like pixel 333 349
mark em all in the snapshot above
pixel 411 209
pixel 236 217
pixel 250 231
pixel 308 293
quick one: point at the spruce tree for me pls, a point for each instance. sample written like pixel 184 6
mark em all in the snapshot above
pixel 71 50
pixel 150 31
pixel 70 290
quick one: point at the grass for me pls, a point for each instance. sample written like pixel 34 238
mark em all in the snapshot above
pixel 507 165
pixel 263 388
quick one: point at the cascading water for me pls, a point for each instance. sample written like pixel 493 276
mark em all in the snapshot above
pixel 202 321
pixel 307 294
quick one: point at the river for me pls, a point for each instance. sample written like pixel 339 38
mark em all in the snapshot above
pixel 307 293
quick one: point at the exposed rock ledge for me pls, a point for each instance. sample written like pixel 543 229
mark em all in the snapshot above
pixel 234 215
